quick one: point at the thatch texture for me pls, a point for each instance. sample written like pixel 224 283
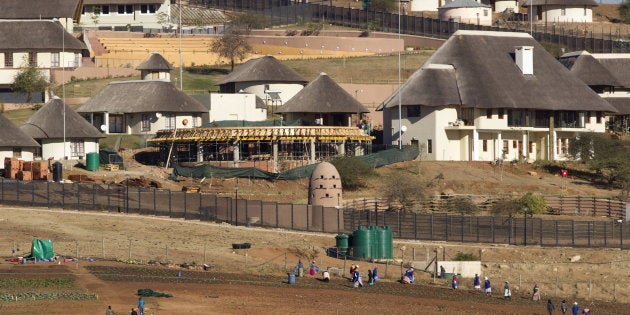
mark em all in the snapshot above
pixel 47 123
pixel 37 35
pixel 264 69
pixel 12 136
pixel 155 61
pixel 40 9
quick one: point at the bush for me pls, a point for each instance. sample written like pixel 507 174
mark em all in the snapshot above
pixel 534 204
pixel 505 207
pixel 465 257
pixel 353 171
pixel 461 205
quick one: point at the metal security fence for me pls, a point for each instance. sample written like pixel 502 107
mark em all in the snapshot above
pixel 406 225
pixel 282 12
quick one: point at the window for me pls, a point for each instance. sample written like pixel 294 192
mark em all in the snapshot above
pixel 413 111
pixel 105 10
pixel 77 148
pixel 506 147
pixel 147 8
pixel 485 145
pixel 169 122
pixel 146 122
pixel 8 59
pixel 17 153
pixel 489 113
pixel 531 147
pixel 514 144
pixel 598 117
pixel 125 9
pixel 485 12
pixel 77 60
pixel 196 120
pixel 429 146
pixel 501 113
pixel 54 59
pixel 563 10
pixel 32 59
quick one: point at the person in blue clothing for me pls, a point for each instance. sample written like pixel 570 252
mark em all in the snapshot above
pixel 374 275
pixel 487 286
pixel 140 306
pixel 408 276
pixel 476 282
pixel 575 309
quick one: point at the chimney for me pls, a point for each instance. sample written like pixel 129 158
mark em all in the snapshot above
pixel 524 56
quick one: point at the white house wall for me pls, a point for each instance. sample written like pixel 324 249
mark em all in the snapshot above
pixel 476 16
pixel 287 91
pixel 238 106
pixel 426 5
pixel 5 152
pixel 54 148
pixel 44 62
pixel 502 6
pixel 555 13
pixel 147 20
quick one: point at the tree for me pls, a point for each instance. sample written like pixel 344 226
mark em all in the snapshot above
pixel 28 81
pixel 353 171
pixel 232 44
pixel 605 156
pixel 462 205
pixel 96 14
pixel 533 204
pixel 248 21
pixel 404 188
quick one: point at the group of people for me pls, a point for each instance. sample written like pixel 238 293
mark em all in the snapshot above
pixel 357 280
pixel 139 311
pixel 575 309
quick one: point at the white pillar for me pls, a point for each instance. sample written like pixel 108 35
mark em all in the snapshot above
pixel 475 145
pixel 554 146
pixel 525 147
pixel 498 153
pixel 199 151
pixel 106 122
pixel 275 156
pixel 341 148
pixel 312 151
pixel 236 154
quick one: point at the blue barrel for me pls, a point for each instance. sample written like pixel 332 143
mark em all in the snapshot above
pixel 291 278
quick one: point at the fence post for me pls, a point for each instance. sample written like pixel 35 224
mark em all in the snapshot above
pixel 462 228
pixel 307 217
pixel 446 227
pixel 477 228
pixel 431 226
pixel 557 236
pixel 291 216
pixel 2 190
pixel 605 235
pixel 621 236
pixel 139 199
pixel 170 205
pixel 572 233
pixel 540 233
pixel 493 235
pixel 32 194
pixel 510 232
pixel 47 192
pixel 415 229
pixel 589 233
pixel 376 209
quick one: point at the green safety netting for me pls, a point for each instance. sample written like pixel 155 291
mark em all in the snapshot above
pixel 206 170
pixel 42 249
pixel 109 157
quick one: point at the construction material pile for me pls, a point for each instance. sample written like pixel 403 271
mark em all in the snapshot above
pixel 25 170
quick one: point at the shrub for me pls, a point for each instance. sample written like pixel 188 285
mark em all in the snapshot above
pixel 353 171
pixel 505 207
pixel 461 205
pixel 534 204
pixel 465 257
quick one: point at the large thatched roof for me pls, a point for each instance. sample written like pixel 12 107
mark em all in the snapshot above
pixel 123 1
pixel 36 35
pixel 263 69
pixel 487 76
pixel 618 65
pixel 13 137
pixel 155 61
pixel 464 4
pixel 322 95
pixel 141 96
pixel 40 9
pixel 588 69
pixel 622 104
pixel 47 123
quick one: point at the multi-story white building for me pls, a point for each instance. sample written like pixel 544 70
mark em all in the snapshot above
pixel 486 96
pixel 67 12
pixel 41 43
pixel 126 13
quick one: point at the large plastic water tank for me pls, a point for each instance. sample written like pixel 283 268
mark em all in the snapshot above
pixel 93 160
pixel 362 240
pixel 342 243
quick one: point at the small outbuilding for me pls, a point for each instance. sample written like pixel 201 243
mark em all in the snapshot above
pixel 14 143
pixel 324 187
pixel 561 10
pixel 466 11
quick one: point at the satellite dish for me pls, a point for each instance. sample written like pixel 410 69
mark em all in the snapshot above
pixel 158 115
pixel 103 128
pixel 403 128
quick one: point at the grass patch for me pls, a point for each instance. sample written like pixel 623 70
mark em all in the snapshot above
pixel 12 283
pixel 126 142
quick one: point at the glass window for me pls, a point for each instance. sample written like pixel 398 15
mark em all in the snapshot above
pixel 196 120
pixel 54 59
pixel 598 117
pixel 563 10
pixel 146 122
pixel 32 59
pixel 152 8
pixel 489 113
pixel 17 153
pixel 77 148
pixel 105 9
pixel 506 147
pixel 430 146
pixel 514 144
pixel 531 147
pixel 8 59
pixel 125 9
pixel 413 111
pixel 169 122
pixel 501 113
pixel 485 145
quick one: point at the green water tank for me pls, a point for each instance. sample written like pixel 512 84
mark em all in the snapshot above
pixel 92 161
pixel 375 248
pixel 342 243
pixel 362 241
pixel 385 242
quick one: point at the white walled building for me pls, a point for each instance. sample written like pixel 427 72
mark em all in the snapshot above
pixel 45 44
pixel 233 106
pixel 466 11
pixel 561 10
pixel 67 12
pixel 56 121
pixel 14 143
pixel 527 106
pixel 128 13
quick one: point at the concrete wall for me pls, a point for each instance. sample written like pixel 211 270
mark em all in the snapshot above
pixel 501 6
pixel 555 13
pixel 467 269
pixel 239 106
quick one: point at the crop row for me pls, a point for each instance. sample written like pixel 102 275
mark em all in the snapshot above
pixel 47 296
pixel 35 282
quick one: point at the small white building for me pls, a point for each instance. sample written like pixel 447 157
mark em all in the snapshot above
pixel 466 11
pixel 67 12
pixel 14 143
pixel 126 14
pixel 266 77
pixel 56 122
pixel 233 107
pixel 561 10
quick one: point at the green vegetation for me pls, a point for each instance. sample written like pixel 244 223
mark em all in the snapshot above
pixel 505 207
pixel 126 141
pixel 462 205
pixel 28 81
pixel 533 204
pixel 249 20
pixel 403 187
pixel 624 11
pixel 465 257
pixel 353 171
pixel 232 45
pixel 382 5
pixel 11 283
pixel 30 296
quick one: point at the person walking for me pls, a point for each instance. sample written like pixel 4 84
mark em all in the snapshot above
pixel 454 282
pixel 370 277
pixel 312 270
pixel 564 307
pixel 536 292
pixel 140 306
pixel 300 268
pixel 476 282
pixel 507 293
pixel 109 311
pixel 550 307
pixel 358 282
pixel 374 275
pixel 487 286
pixel 133 311
pixel 575 309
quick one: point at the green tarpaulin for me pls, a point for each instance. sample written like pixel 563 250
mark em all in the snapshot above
pixel 206 170
pixel 42 249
